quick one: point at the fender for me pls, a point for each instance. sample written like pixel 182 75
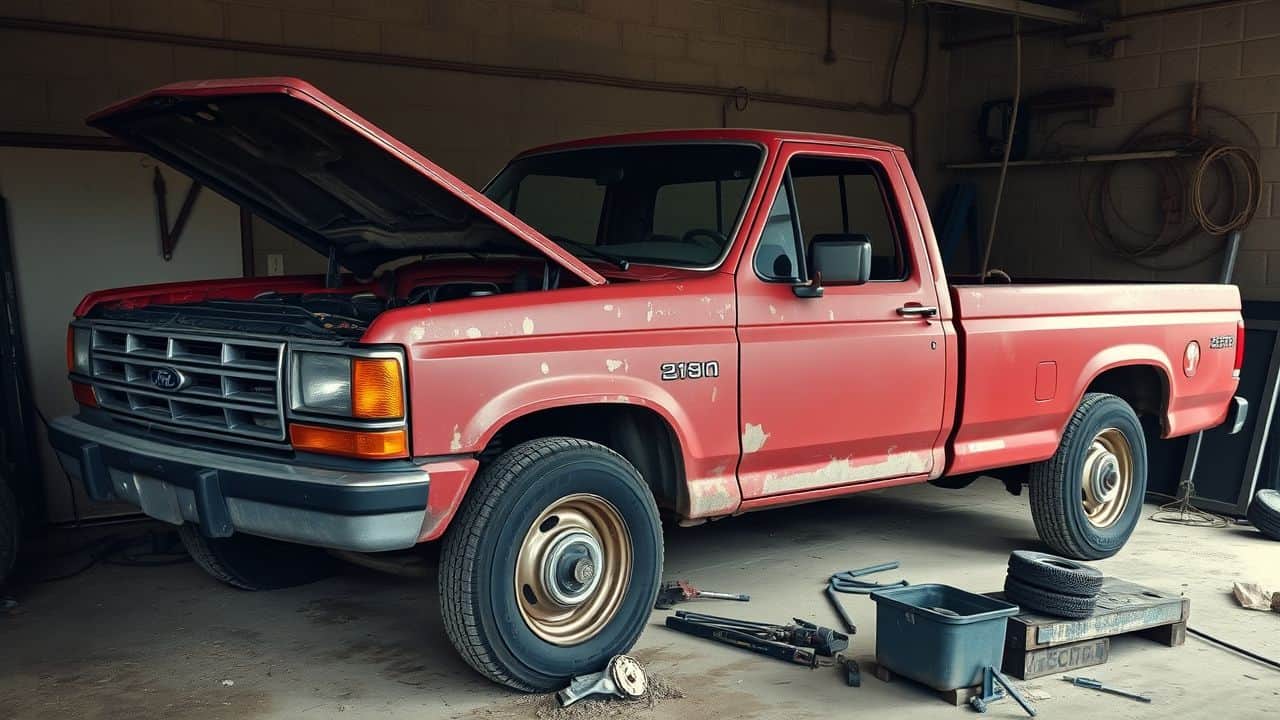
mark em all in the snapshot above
pixel 567 391
pixel 1137 354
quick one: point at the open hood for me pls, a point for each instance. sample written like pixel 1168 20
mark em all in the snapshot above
pixel 309 165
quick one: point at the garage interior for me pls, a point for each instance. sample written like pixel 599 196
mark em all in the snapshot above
pixel 105 617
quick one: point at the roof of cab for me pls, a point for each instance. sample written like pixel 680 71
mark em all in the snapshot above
pixel 751 135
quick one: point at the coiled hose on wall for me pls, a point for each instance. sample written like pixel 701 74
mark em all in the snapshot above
pixel 1189 203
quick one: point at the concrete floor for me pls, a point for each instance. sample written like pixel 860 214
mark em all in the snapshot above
pixel 161 642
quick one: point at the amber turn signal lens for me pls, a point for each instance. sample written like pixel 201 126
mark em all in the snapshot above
pixel 84 394
pixel 377 445
pixel 376 392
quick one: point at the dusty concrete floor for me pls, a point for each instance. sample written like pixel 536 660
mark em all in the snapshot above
pixel 160 642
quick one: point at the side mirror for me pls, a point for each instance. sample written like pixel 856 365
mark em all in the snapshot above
pixel 837 259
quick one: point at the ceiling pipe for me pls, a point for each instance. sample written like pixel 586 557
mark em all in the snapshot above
pixel 1146 15
pixel 729 94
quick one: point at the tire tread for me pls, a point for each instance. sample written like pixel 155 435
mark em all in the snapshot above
pixel 459 554
pixel 1264 513
pixel 1048 483
pixel 1030 597
pixel 1032 568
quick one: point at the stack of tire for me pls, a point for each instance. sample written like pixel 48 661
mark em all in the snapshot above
pixel 1052 585
pixel 1264 513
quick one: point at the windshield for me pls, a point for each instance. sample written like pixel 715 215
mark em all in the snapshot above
pixel 658 204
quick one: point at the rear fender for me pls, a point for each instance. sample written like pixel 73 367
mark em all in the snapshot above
pixel 1126 356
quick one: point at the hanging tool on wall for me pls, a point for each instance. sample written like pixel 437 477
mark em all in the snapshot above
pixel 682 590
pixel 169 235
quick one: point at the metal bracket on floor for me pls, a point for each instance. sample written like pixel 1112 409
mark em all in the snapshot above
pixel 994 687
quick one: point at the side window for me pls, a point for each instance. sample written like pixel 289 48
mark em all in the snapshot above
pixel 776 256
pixel 567 207
pixel 837 196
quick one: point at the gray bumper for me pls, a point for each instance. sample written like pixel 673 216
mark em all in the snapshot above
pixel 358 510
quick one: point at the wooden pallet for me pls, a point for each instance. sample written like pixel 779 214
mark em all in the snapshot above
pixel 957 697
pixel 1038 645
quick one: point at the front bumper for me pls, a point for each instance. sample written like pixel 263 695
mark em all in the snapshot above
pixel 224 493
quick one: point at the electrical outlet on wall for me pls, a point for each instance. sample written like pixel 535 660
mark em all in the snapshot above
pixel 275 264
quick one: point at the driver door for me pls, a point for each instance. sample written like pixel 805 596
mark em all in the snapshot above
pixel 845 388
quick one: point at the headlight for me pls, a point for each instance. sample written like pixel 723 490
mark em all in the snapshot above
pixel 324 383
pixel 357 387
pixel 78 341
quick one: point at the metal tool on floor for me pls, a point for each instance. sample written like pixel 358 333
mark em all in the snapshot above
pixel 1092 684
pixel 994 687
pixel 850 670
pixel 622 678
pixel 848 582
pixel 801 642
pixel 677 591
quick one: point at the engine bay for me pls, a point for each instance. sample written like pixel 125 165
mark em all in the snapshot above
pixel 311 310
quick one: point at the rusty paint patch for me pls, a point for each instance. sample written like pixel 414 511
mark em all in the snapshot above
pixel 473 332
pixel 842 471
pixel 713 496
pixel 545 368
pixel 612 364
pixel 455 443
pixel 753 438
pixel 527 326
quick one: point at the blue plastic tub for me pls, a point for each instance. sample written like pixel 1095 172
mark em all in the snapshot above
pixel 939 635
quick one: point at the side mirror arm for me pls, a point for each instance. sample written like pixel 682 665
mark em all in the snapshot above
pixel 811 289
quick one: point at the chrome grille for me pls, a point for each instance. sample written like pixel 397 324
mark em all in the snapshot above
pixel 232 387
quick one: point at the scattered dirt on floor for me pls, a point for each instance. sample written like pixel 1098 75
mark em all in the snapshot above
pixel 545 707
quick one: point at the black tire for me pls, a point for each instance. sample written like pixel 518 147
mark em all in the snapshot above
pixel 8 531
pixel 1264 513
pixel 478 560
pixel 1056 484
pixel 1030 597
pixel 1055 574
pixel 249 562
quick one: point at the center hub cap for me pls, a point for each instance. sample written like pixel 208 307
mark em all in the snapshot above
pixel 569 568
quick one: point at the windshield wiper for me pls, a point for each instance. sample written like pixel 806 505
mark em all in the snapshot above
pixel 620 262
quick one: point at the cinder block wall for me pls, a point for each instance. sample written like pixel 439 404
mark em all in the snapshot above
pixel 472 124
pixel 1233 53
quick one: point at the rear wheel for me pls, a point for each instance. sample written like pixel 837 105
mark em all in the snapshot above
pixel 1086 500
pixel 552 565
pixel 249 562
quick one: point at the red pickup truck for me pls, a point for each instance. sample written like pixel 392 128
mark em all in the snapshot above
pixel 699 323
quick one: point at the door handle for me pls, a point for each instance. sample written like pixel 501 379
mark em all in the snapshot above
pixel 918 311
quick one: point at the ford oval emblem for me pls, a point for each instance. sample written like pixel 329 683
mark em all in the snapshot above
pixel 168 379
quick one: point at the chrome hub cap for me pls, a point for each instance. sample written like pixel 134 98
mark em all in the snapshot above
pixel 1106 481
pixel 572 569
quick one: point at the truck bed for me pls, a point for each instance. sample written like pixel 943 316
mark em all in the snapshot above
pixel 1028 353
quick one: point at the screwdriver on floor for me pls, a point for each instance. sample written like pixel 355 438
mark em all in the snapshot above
pixel 1097 685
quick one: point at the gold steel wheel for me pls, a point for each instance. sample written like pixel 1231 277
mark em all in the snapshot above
pixel 573 569
pixel 1107 478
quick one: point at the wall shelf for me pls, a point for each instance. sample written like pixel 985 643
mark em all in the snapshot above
pixel 1075 160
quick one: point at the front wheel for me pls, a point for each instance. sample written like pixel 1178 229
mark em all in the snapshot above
pixel 1086 500
pixel 552 565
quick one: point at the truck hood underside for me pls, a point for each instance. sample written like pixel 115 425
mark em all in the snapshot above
pixel 314 168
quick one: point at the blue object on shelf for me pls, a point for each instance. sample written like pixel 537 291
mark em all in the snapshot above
pixel 939 635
